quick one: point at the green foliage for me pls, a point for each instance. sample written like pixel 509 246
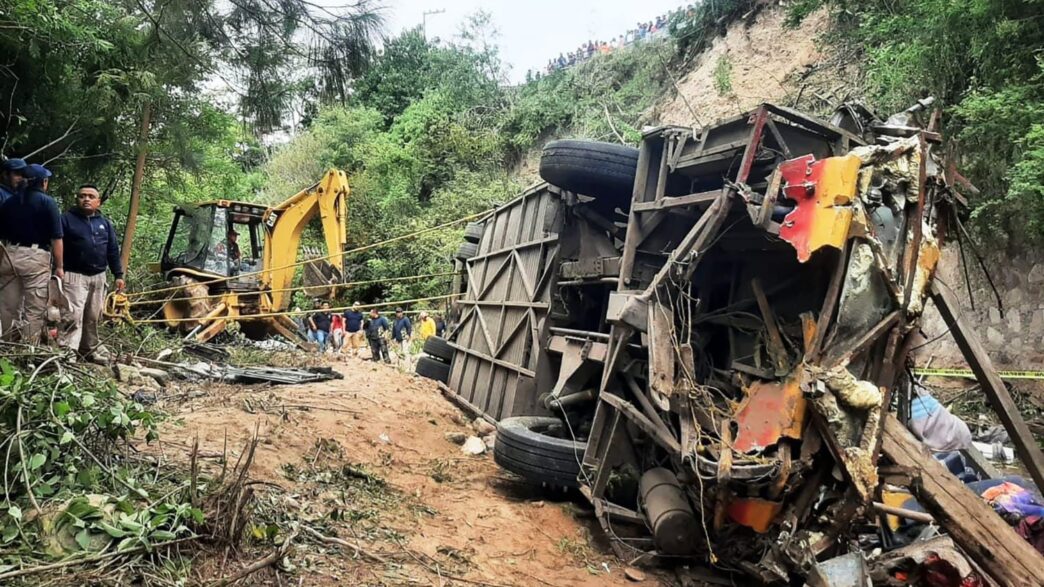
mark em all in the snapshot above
pixel 981 60
pixel 723 76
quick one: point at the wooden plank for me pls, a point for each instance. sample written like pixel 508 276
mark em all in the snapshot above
pixel 1001 401
pixel 668 202
pixel 843 353
pixel 971 522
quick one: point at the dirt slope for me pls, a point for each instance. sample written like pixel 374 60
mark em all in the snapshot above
pixel 475 520
pixel 758 61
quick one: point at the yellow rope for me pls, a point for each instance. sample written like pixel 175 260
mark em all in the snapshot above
pixel 293 312
pixel 313 260
pixel 285 289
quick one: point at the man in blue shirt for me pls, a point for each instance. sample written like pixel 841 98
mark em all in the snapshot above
pixel 12 179
pixel 90 248
pixel 30 236
pixel 319 326
pixel 353 325
pixel 402 332
pixel 377 328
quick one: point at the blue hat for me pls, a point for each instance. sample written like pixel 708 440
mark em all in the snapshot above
pixel 13 165
pixel 37 171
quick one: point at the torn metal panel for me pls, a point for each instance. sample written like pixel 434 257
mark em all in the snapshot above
pixel 770 411
pixel 823 192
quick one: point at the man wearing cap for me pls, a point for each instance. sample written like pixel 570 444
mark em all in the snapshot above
pixel 402 332
pixel 376 330
pixel 425 326
pixel 30 237
pixel 12 178
pixel 90 247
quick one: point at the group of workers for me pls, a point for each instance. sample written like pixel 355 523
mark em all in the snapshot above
pixel 40 245
pixel 346 332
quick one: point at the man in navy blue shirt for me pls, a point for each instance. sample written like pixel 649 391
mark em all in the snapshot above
pixel 402 332
pixel 353 325
pixel 319 326
pixel 12 179
pixel 30 237
pixel 90 248
pixel 377 328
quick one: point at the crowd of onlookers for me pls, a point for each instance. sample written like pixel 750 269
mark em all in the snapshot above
pixel 349 332
pixel 643 31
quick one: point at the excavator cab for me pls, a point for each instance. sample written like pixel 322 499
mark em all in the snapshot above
pixel 216 239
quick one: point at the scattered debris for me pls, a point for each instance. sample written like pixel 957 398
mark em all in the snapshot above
pixel 473 446
pixel 456 438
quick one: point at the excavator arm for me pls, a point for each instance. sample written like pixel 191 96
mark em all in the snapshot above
pixel 285 223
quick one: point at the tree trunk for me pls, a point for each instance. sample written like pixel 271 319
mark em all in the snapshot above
pixel 139 172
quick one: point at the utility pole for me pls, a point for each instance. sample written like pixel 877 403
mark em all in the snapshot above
pixel 424 20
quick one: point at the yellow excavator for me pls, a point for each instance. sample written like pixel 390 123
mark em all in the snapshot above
pixel 236 261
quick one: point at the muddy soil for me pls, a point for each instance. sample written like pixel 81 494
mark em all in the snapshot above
pixel 366 459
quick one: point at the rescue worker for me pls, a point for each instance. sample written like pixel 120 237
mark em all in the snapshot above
pixel 353 326
pixel 402 331
pixel 425 326
pixel 12 179
pixel 90 247
pixel 31 237
pixel 377 328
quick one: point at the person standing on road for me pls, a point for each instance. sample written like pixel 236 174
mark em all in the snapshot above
pixel 402 332
pixel 90 247
pixel 336 332
pixel 12 179
pixel 31 237
pixel 353 327
pixel 377 328
pixel 319 326
pixel 425 326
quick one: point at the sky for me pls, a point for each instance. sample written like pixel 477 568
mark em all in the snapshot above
pixel 530 31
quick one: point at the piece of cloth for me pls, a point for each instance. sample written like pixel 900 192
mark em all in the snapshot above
pixel 379 349
pixel 32 219
pixel 90 244
pixel 86 296
pixel 1013 499
pixel 402 329
pixel 24 277
pixel 353 321
pixel 322 321
pixel 376 327
pixel 425 328
pixel 936 427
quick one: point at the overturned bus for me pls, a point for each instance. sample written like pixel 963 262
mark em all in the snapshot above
pixel 706 334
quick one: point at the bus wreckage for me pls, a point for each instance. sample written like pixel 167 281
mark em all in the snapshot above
pixel 708 336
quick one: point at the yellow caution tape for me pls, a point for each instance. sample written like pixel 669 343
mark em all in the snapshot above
pixel 969 374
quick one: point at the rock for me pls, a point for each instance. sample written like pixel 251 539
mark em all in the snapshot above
pixel 473 446
pixel 634 574
pixel 994 338
pixel 1014 321
pixel 482 427
pixel 144 397
pixel 995 316
pixel 490 440
pixel 127 373
pixel 1037 321
pixel 161 376
pixel 456 438
pixel 1036 274
pixel 458 418
pixel 162 356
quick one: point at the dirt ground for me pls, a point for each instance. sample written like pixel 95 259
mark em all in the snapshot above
pixel 366 459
